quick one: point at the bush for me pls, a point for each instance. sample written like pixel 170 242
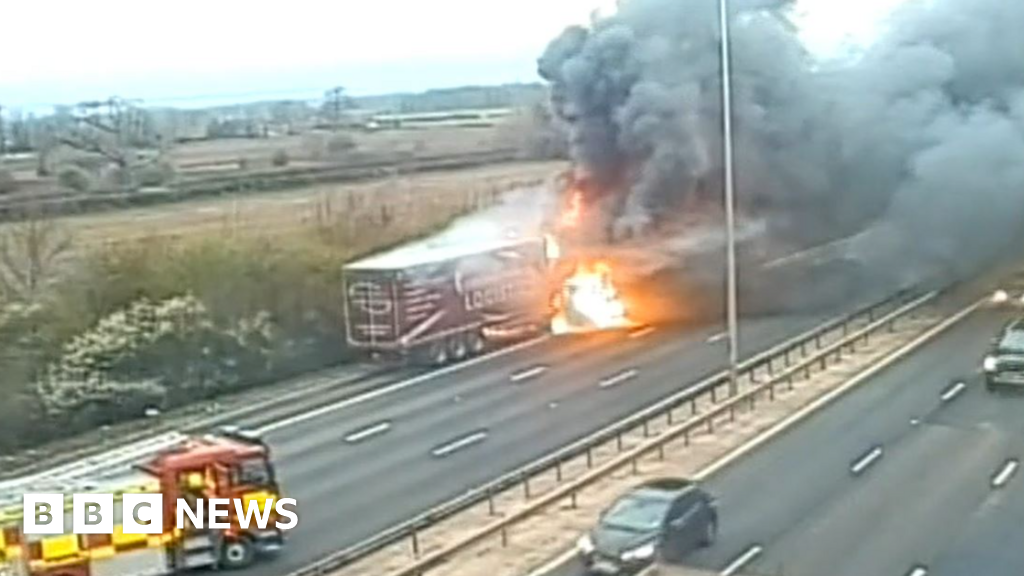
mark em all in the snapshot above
pixel 91 164
pixel 151 353
pixel 75 178
pixel 294 282
pixel 280 158
pixel 112 177
pixel 7 182
pixel 157 174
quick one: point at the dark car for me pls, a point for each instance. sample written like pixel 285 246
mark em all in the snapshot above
pixel 664 518
pixel 1004 365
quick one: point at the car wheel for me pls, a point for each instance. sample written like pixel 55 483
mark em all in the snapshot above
pixel 710 534
pixel 237 554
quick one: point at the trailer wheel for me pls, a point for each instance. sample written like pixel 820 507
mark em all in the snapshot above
pixel 459 351
pixel 438 354
pixel 237 554
pixel 475 342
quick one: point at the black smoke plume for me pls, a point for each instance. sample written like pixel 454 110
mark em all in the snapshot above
pixel 917 144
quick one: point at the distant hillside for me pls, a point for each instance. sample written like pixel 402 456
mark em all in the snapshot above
pixel 466 97
pixel 461 98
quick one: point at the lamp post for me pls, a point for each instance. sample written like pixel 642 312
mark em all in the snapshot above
pixel 730 199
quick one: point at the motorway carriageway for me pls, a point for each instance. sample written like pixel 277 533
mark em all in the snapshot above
pixel 366 465
pixel 942 497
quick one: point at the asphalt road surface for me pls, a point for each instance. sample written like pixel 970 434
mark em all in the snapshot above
pixel 927 506
pixel 362 468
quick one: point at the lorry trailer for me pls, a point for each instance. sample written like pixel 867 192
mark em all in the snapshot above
pixel 435 302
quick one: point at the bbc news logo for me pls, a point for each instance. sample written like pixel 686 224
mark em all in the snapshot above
pixel 144 513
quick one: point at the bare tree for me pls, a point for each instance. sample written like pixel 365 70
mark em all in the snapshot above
pixel 46 143
pixel 335 100
pixel 114 129
pixel 19 132
pixel 31 251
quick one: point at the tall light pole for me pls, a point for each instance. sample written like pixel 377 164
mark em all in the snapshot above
pixel 730 200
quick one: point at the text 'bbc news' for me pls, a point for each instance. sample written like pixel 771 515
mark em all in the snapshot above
pixel 144 513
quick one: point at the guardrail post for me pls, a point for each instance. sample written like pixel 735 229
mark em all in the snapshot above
pixel 572 500
pixel 661 451
pixel 526 487
pixel 618 441
pixel 786 357
pixel 647 429
pixel 504 537
pixel 753 400
pixel 590 458
pixel 415 544
pixel 714 393
pixel 817 341
pixel 668 417
pixel 490 504
pixel 771 392
pixel 558 471
pixel 693 406
pixel 636 469
pixel 711 424
pixel 686 436
pixel 803 349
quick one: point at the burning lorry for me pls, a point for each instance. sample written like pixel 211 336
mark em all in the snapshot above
pixel 438 302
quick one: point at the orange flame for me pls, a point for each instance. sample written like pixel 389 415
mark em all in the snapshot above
pixel 588 301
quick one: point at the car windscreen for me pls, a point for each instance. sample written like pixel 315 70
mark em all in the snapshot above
pixel 253 472
pixel 1012 342
pixel 637 513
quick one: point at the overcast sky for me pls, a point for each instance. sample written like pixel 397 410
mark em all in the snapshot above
pixel 189 51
